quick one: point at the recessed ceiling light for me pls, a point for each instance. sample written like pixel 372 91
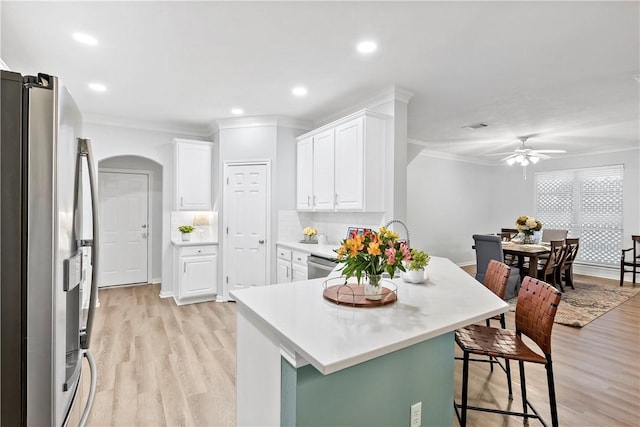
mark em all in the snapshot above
pixel 85 39
pixel 299 91
pixel 237 111
pixel 98 87
pixel 367 46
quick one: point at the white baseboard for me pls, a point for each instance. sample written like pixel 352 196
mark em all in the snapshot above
pixel 156 281
pixel 597 271
pixel 466 263
pixel 164 294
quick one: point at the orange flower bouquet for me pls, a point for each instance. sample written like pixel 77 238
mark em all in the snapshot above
pixel 372 253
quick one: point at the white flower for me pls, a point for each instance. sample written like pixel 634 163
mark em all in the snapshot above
pixel 531 223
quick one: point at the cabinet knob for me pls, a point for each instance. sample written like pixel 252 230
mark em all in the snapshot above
pixel 261 242
pixel 144 225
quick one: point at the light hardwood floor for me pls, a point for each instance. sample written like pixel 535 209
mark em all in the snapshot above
pixel 161 364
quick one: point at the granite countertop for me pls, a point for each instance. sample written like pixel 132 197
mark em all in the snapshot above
pixel 334 337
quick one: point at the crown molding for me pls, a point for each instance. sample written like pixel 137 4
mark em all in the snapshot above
pixel 437 154
pixel 260 121
pixel 394 93
pixel 106 120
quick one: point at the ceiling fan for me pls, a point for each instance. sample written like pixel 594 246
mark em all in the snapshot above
pixel 524 155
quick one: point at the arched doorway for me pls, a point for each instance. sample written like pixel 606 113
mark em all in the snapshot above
pixel 130 193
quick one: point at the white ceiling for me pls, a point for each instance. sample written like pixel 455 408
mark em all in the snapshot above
pixel 563 71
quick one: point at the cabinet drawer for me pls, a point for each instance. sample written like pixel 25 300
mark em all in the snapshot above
pixel 198 250
pixel 284 254
pixel 300 258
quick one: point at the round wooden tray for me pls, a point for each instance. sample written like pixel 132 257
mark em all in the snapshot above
pixel 353 295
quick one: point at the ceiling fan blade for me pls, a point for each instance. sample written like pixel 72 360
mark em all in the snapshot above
pixel 500 154
pixel 513 156
pixel 549 151
pixel 539 155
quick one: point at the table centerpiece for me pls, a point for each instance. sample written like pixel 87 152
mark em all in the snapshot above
pixel 527 226
pixel 370 254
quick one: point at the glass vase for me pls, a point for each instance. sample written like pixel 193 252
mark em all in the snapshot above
pixel 373 287
pixel 528 239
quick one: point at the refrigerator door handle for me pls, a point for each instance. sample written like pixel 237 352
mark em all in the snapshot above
pixel 84 146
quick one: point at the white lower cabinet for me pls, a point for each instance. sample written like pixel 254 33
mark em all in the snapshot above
pixel 197 274
pixel 291 265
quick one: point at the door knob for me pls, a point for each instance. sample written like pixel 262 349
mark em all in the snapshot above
pixel 261 242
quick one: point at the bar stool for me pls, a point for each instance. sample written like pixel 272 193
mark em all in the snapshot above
pixel 535 310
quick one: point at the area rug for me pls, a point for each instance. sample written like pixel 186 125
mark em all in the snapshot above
pixel 587 302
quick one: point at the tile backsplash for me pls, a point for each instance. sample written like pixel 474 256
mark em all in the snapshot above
pixel 206 224
pixel 333 224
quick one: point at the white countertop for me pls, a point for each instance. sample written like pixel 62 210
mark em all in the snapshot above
pixel 194 242
pixel 333 337
pixel 326 251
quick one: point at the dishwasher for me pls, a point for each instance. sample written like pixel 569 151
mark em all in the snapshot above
pixel 318 266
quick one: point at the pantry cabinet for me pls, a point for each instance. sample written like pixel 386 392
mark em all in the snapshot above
pixel 193 175
pixel 345 161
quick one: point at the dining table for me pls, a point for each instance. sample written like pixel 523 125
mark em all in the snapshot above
pixel 532 252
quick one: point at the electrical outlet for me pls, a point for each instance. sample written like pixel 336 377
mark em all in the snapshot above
pixel 416 414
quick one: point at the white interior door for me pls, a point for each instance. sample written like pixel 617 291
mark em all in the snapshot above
pixel 246 226
pixel 124 213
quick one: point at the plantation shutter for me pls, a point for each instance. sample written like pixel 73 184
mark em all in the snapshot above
pixel 588 203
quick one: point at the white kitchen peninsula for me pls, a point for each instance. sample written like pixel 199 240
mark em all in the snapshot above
pixel 302 360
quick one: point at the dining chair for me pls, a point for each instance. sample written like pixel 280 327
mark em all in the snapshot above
pixel 535 311
pixel 552 263
pixel 512 231
pixel 489 247
pixel 551 234
pixel 633 265
pixel 566 264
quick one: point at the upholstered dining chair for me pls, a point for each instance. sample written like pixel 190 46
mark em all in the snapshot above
pixel 552 263
pixel 566 264
pixel 535 311
pixel 630 265
pixel 489 247
pixel 550 234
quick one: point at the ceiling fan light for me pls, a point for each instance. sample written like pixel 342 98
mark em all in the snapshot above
pixel 519 158
pixel 534 160
pixel 524 162
pixel 511 161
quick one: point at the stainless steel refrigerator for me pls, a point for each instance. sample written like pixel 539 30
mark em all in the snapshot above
pixel 46 302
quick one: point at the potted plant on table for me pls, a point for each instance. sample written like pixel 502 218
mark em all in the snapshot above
pixel 186 231
pixel 309 234
pixel 415 267
pixel 371 254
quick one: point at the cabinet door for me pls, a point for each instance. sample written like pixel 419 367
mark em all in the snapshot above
pixel 349 165
pixel 198 275
pixel 193 176
pixel 299 273
pixel 284 271
pixel 323 169
pixel 304 166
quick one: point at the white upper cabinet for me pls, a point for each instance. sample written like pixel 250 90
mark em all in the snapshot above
pixel 304 167
pixel 323 169
pixel 193 172
pixel 347 166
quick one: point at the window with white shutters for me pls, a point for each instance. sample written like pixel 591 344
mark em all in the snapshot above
pixel 588 203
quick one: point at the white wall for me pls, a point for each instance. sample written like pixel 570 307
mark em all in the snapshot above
pixel 447 202
pixel 110 141
pixel 155 209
